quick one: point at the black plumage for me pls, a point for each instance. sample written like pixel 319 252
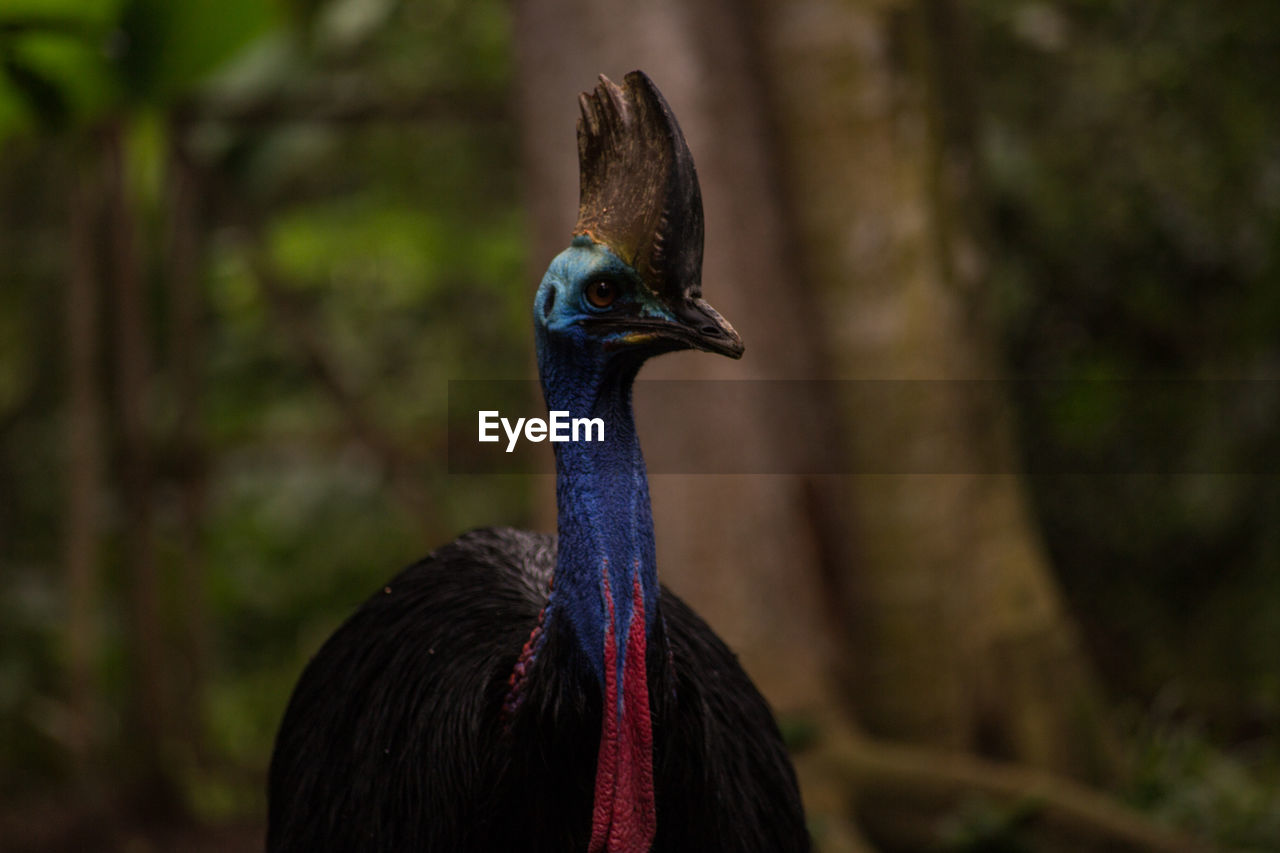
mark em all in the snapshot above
pixel 395 738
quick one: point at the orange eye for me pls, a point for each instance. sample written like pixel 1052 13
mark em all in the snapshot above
pixel 601 293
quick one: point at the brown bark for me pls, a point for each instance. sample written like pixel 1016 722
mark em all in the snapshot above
pixel 959 634
pixel 84 465
pixel 740 549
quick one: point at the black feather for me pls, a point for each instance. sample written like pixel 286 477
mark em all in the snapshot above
pixel 396 740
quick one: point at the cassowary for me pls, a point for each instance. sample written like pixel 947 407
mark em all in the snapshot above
pixel 522 692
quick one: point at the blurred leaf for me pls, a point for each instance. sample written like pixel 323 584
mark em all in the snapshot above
pixel 345 24
pixel 1183 779
pixel 981 826
pixel 43 97
pixel 65 79
pixel 15 116
pixel 170 47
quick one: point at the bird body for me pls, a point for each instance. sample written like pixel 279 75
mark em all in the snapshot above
pixel 420 754
pixel 516 691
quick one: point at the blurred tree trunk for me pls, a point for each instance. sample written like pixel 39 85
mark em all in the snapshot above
pixel 84 461
pixel 958 632
pixel 148 721
pixel 741 550
pixel 835 186
pixel 185 206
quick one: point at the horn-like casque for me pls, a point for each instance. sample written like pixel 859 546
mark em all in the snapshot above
pixel 639 189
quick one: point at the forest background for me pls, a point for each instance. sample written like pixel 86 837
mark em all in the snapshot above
pixel 245 245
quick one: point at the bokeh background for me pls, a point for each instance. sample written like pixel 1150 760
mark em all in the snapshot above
pixel 245 244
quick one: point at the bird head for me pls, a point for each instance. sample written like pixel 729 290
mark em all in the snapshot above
pixel 630 282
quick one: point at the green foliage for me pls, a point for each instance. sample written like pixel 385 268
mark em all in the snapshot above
pixel 399 247
pixel 1184 780
pixel 981 826
pixel 53 69
pixel 67 64
pixel 800 732
pixel 166 48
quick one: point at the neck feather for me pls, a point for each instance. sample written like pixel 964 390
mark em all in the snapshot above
pixel 606 546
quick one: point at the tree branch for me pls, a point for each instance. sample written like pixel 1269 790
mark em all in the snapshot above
pixel 868 767
pixel 324 107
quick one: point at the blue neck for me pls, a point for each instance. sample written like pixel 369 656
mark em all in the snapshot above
pixel 602 495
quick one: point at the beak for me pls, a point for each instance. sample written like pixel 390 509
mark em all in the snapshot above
pixel 693 325
pixel 702 327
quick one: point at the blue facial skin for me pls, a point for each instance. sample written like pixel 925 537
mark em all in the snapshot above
pixel 602 493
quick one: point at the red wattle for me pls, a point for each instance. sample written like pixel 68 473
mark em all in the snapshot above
pixel 624 816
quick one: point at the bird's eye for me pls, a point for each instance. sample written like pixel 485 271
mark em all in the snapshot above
pixel 601 293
